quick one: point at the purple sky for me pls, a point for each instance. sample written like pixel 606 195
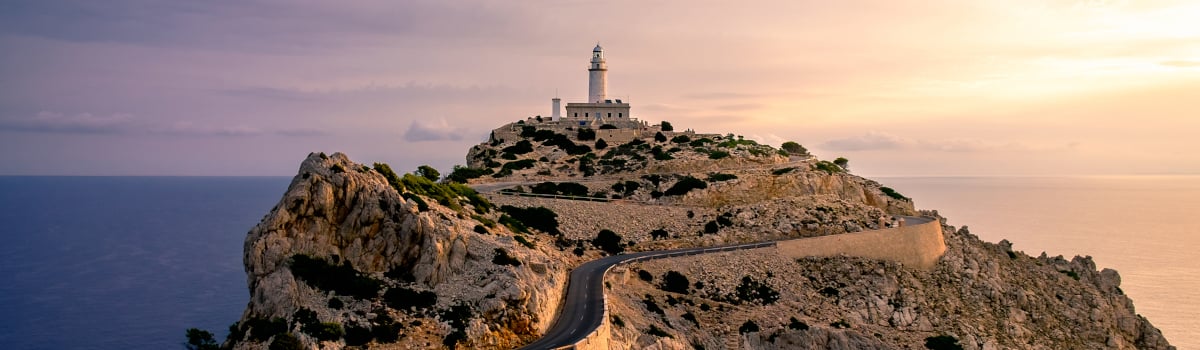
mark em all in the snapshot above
pixel 127 87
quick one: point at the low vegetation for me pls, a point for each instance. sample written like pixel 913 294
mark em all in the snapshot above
pixel 538 218
pixel 341 279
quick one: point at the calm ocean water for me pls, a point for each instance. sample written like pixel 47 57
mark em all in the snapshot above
pixel 130 262
pixel 124 262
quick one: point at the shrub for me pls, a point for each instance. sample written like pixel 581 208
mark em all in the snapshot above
pixel 600 144
pixel 608 241
pixel 572 189
pixel 341 279
pixel 390 175
pixel 480 229
pixel 782 171
pixel 842 163
pixel 262 329
pixel 428 172
pixel 608 127
pixel 942 342
pixel 645 276
pixel 700 142
pixel 666 126
pixel 659 137
pixel 718 177
pixel 827 167
pixel 711 227
pixel 519 164
pixel 585 134
pixel 286 341
pixel 358 336
pixel 756 292
pixel 501 257
pixel 616 321
pixel 794 148
pixel 337 168
pixel 199 339
pixel 675 282
pixel 717 154
pixel 326 331
pixel 521 239
pixel 681 139
pixel 839 324
pixel 830 292
pixel 690 317
pixel 522 147
pixel 335 303
pixel 538 218
pixel 458 316
pixel 461 174
pixel 685 185
pixel 748 327
pixel 892 193
pixel 797 325
pixel 401 298
pixel 658 234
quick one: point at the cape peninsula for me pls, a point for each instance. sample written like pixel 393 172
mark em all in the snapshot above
pixel 648 238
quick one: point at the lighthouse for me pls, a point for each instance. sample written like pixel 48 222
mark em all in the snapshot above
pixel 599 110
pixel 597 77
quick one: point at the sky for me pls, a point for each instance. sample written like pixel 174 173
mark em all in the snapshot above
pixel 900 88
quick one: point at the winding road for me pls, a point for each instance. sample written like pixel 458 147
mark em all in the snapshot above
pixel 583 306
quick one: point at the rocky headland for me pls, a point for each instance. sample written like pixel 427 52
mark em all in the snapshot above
pixel 357 256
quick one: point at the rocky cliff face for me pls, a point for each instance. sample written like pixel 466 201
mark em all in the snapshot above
pixel 345 252
pixel 980 296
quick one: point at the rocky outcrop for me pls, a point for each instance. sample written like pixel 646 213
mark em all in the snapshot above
pixel 346 214
pixel 980 295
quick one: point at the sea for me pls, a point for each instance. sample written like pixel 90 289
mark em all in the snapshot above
pixel 132 262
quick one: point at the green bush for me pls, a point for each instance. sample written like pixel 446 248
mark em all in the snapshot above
pixel 401 298
pixel 658 234
pixel 286 341
pixel 794 148
pixel 198 339
pixel 659 137
pixel 608 241
pixel 892 193
pixel 519 164
pixel 390 175
pixel 711 227
pixel 942 342
pixel 839 324
pixel 428 172
pixel 327 331
pixel 261 329
pixel 797 325
pixel 718 177
pixel 751 291
pixel 675 282
pixel 461 174
pixel 666 126
pixel 586 134
pixel 538 218
pixel 748 327
pixel 522 147
pixel 652 306
pixel 717 154
pixel 358 336
pixel 681 139
pixel 842 163
pixel 645 276
pixel 827 167
pixel 700 142
pixel 458 316
pixel 341 279
pixel 782 171
pixel 685 185
pixel 600 144
pixel 501 257
pixel 521 239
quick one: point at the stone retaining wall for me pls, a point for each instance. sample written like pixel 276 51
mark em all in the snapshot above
pixel 919 245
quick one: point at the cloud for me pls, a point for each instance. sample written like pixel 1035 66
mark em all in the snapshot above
pixel 437 131
pixel 870 141
pixel 83 123
pixel 740 107
pixel 881 141
pixel 1180 63
pixel 87 123
pixel 720 96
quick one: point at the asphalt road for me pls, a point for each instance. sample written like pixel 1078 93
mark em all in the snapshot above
pixel 583 309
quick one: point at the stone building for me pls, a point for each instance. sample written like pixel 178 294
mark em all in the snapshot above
pixel 599 109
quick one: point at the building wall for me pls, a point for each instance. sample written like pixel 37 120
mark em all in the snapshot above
pixel 588 111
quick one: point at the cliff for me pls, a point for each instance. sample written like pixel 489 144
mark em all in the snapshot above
pixel 357 256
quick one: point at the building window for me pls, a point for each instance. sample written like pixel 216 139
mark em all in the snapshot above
pixel 610 114
pixel 621 115
pixel 576 114
pixel 585 115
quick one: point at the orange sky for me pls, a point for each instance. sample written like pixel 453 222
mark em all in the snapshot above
pixel 931 88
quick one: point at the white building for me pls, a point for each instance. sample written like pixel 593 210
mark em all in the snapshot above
pixel 599 109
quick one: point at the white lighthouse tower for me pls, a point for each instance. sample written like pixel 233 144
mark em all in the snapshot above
pixel 597 77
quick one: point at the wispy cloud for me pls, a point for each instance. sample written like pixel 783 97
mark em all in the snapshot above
pixel 87 123
pixel 881 141
pixel 439 130
pixel 1180 63
pixel 720 96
